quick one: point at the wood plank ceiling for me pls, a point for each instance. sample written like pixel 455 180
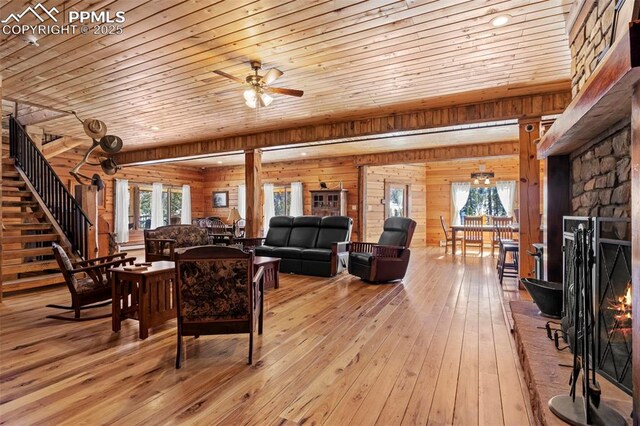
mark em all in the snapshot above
pixel 154 84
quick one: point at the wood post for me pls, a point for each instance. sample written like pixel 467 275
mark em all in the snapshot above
pixel 87 195
pixel 362 202
pixel 557 205
pixel 529 219
pixel 635 245
pixel 253 182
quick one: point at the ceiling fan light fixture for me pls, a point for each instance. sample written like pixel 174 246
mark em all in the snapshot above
pixel 250 95
pixel 476 182
pixel 265 100
pixel 487 181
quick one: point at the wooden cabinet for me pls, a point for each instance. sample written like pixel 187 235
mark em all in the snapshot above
pixel 329 202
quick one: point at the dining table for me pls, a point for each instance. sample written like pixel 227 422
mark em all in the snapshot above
pixel 483 228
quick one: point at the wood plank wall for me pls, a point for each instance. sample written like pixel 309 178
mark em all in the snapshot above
pixel 167 174
pixel 440 175
pixel 309 172
pixel 407 174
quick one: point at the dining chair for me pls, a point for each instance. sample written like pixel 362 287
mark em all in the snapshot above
pixel 501 231
pixel 473 233
pixel 448 240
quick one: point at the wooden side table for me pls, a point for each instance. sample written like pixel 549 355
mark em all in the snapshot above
pixel 144 295
pixel 271 268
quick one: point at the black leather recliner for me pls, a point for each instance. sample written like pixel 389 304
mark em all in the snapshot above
pixel 308 245
pixel 388 259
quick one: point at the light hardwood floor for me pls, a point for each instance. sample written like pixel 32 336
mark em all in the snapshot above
pixel 435 350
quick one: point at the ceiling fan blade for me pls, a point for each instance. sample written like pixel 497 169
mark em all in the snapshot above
pixel 229 76
pixel 272 75
pixel 282 91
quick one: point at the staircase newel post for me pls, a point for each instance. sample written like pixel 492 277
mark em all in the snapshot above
pixel 87 195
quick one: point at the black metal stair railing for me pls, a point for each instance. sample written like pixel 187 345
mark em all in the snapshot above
pixel 63 206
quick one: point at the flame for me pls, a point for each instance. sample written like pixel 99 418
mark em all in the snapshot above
pixel 623 307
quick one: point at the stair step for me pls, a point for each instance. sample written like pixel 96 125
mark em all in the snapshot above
pixel 6 214
pixel 12 193
pixel 10 174
pixel 32 282
pixel 22 253
pixel 19 204
pixel 27 226
pixel 13 183
pixel 38 266
pixel 29 238
pixel 8 161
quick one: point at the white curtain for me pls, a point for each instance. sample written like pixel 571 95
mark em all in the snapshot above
pixel 507 194
pixel 156 206
pixel 269 206
pixel 122 211
pixel 459 196
pixel 185 215
pixel 242 200
pixel 296 208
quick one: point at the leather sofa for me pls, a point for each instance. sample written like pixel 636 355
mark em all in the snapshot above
pixel 160 243
pixel 308 245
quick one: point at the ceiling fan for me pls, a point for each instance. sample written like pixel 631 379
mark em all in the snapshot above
pixel 258 90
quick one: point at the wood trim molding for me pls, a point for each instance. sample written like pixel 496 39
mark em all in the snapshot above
pixel 496 149
pixel 493 110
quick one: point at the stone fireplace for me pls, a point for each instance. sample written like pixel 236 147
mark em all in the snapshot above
pixel 601 175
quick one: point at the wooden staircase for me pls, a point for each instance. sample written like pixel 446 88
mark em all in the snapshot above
pixel 27 260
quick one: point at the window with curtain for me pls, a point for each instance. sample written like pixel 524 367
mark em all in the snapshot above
pixel 140 195
pixel 282 200
pixel 483 200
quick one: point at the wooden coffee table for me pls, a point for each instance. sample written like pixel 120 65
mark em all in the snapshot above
pixel 271 267
pixel 144 295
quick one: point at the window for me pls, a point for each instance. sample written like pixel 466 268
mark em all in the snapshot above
pixel 282 200
pixel 140 205
pixel 483 201
pixel 396 200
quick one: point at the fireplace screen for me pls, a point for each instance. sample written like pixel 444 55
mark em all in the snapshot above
pixel 613 291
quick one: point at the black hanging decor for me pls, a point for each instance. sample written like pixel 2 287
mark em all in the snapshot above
pixel 588 409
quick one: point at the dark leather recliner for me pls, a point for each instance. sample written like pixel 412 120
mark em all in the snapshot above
pixel 388 259
pixel 308 245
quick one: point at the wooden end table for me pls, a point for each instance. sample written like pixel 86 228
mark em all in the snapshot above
pixel 144 295
pixel 271 267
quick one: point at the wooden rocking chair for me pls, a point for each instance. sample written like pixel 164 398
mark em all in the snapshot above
pixel 92 289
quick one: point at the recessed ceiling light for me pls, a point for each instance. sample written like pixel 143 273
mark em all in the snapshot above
pixel 303 154
pixel 219 162
pixel 499 21
pixel 155 128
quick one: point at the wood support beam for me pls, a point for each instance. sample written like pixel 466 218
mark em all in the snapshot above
pixel 495 110
pixel 362 202
pixel 497 149
pixel 60 146
pixel 635 243
pixel 558 204
pixel 253 183
pixel 529 194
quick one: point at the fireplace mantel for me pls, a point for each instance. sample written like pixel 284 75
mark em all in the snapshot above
pixel 604 99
